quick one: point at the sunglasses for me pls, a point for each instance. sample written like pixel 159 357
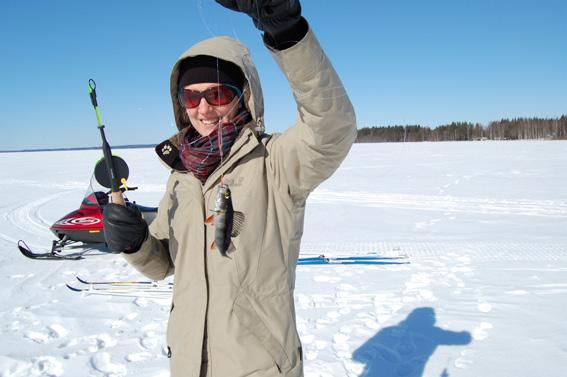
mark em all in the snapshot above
pixel 216 96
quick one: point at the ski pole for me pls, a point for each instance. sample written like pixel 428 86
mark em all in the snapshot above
pixel 115 193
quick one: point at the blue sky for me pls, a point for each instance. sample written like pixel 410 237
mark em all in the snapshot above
pixel 402 62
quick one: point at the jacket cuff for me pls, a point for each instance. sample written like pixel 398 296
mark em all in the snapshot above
pixel 152 260
pixel 288 37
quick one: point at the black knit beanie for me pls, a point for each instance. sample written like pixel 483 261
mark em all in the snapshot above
pixel 209 69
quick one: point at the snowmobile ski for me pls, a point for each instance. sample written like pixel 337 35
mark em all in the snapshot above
pixel 52 255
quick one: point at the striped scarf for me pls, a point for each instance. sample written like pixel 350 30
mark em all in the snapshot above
pixel 202 154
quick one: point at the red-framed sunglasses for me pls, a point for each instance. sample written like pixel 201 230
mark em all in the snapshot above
pixel 216 96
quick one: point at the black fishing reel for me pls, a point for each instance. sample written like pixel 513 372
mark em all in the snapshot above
pixel 102 175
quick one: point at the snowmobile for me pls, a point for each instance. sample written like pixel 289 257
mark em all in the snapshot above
pixel 83 227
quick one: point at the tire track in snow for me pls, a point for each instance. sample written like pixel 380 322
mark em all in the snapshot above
pixel 68 185
pixel 26 218
pixel 545 208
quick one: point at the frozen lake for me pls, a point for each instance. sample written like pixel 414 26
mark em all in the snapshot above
pixel 483 225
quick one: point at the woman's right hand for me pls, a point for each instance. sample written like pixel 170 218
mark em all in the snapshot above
pixel 124 228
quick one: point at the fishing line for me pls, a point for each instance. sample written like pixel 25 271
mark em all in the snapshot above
pixel 200 7
pixel 201 16
pixel 219 127
pixel 258 13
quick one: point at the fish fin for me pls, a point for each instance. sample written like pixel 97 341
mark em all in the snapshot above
pixel 238 221
pixel 214 247
pixel 210 220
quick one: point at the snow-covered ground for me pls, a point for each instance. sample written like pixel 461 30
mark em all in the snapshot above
pixel 483 224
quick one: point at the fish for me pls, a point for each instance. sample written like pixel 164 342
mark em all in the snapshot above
pixel 226 220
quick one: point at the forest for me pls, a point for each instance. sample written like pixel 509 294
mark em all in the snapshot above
pixel 504 129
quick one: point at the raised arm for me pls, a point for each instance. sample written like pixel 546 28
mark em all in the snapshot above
pixel 309 152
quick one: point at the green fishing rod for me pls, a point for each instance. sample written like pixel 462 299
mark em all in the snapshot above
pixel 113 166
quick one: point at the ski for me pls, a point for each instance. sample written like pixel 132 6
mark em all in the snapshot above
pixel 144 283
pixel 137 293
pixel 324 261
pixel 28 252
pixel 113 288
pixel 146 289
pixel 362 259
pixel 353 257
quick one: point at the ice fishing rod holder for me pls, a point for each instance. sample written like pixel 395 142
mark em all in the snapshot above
pixel 111 170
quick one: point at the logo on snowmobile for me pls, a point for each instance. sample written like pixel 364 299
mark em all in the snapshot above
pixel 79 221
pixel 166 149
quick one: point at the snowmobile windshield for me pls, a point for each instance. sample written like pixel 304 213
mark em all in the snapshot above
pixel 95 194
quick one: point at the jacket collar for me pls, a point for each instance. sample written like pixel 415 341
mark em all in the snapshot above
pixel 168 152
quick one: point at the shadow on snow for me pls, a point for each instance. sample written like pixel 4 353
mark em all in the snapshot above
pixel 404 349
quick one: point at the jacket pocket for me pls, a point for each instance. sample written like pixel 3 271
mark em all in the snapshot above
pixel 249 318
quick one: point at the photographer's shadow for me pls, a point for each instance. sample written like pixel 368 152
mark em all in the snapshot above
pixel 403 350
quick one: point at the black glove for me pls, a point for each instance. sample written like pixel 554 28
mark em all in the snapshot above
pixel 124 228
pixel 271 16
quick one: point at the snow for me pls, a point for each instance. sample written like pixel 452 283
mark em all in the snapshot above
pixel 482 224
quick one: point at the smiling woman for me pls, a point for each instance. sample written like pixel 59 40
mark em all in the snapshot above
pixel 234 271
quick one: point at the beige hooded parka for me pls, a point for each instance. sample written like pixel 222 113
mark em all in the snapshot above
pixel 235 316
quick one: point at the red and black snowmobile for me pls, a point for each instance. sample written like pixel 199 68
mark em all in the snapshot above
pixel 85 225
pixel 83 228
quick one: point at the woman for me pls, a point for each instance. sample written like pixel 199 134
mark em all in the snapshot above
pixel 233 310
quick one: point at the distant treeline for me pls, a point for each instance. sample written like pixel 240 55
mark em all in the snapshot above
pixel 505 129
pixel 133 146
